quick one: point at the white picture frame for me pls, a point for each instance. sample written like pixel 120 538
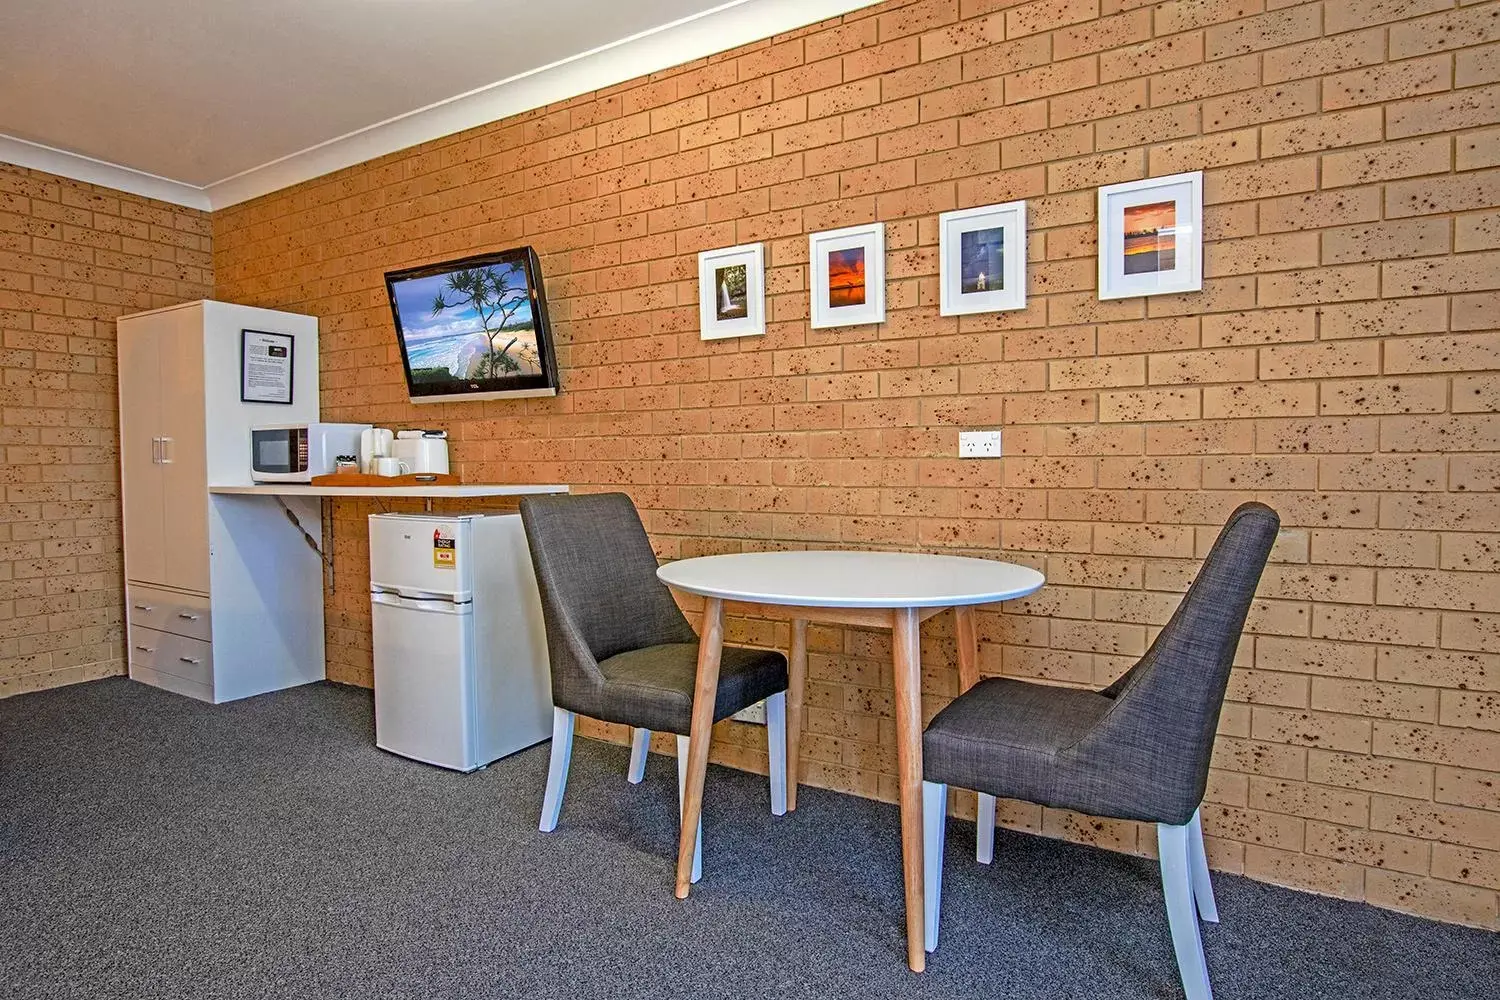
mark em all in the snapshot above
pixel 723 310
pixel 1139 213
pixel 982 259
pixel 856 294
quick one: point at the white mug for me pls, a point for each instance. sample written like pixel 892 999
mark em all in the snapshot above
pixel 387 466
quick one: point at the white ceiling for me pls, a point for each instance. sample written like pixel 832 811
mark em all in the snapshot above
pixel 226 97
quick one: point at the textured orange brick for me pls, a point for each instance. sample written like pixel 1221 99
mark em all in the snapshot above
pixel 1202 80
pixel 1430 897
pixel 1103 35
pixel 1320 210
pixel 1448 30
pixel 1266 104
pixel 1324 55
pixel 1104 101
pixel 1473 67
pixel 1387 162
pixel 1386 83
pixel 975 33
pixel 1376 241
pixel 1443 112
pixel 1346 15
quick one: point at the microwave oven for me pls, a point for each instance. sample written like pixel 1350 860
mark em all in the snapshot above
pixel 295 453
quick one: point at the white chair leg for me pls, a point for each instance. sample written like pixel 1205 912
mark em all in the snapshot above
pixel 557 770
pixel 640 745
pixel 776 746
pixel 934 834
pixel 1177 883
pixel 682 756
pixel 984 848
pixel 1203 889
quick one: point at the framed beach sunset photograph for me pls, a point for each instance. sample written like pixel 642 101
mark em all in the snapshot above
pixel 1151 236
pixel 982 255
pixel 732 292
pixel 848 275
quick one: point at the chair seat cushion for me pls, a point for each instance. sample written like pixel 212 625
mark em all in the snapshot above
pixel 652 687
pixel 1011 739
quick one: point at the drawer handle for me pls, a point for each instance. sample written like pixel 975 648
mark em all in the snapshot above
pixel 189 659
pixel 144 607
pixel 145 649
pixel 186 616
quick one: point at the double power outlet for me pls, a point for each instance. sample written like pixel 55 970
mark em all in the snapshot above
pixel 978 444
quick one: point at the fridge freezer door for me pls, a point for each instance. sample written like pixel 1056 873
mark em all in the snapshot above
pixel 422 555
pixel 424 680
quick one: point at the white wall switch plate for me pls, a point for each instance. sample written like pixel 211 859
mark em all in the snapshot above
pixel 978 444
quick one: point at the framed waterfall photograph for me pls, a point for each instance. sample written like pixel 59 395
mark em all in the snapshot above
pixel 848 275
pixel 1151 236
pixel 983 259
pixel 732 292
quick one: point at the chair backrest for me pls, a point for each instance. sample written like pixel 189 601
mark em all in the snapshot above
pixel 596 573
pixel 1167 706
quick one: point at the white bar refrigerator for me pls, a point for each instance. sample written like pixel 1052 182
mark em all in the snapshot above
pixel 461 675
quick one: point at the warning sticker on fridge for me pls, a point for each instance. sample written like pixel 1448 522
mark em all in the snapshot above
pixel 444 548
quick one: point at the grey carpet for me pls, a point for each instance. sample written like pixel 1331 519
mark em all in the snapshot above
pixel 155 847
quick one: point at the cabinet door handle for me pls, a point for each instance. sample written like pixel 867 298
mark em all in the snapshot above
pixel 156 451
pixel 145 649
pixel 166 451
pixel 144 607
pixel 190 659
pixel 187 617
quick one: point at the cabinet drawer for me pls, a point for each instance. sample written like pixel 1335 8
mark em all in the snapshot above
pixel 192 659
pixel 165 611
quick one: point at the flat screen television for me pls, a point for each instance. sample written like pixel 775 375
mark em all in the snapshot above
pixel 474 328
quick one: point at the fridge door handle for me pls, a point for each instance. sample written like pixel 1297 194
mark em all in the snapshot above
pixel 412 604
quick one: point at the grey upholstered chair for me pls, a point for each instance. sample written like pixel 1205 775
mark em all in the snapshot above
pixel 1137 750
pixel 622 651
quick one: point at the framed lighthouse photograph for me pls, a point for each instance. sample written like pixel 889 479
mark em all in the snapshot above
pixel 732 292
pixel 982 253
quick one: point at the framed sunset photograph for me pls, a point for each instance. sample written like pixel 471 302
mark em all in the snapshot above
pixel 1151 236
pixel 983 259
pixel 848 275
pixel 732 292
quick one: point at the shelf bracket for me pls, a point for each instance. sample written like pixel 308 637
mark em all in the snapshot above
pixel 324 557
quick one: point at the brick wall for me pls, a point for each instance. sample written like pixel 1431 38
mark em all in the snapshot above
pixel 1341 363
pixel 72 257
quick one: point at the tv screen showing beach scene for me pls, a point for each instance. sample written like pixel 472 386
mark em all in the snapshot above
pixel 475 327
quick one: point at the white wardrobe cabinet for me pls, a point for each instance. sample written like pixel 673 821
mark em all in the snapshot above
pixel 163 462
pixel 223 599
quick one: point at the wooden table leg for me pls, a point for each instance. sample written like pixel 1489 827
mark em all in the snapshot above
pixel 908 688
pixel 710 648
pixel 968 647
pixel 796 682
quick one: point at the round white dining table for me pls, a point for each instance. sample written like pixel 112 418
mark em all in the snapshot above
pixel 894 590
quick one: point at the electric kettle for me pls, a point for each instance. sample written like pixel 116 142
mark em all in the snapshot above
pixel 374 442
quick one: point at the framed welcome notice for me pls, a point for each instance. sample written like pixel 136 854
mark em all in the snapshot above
pixel 267 363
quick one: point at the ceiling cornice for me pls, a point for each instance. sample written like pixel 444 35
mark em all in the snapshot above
pixel 719 29
pixel 78 167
